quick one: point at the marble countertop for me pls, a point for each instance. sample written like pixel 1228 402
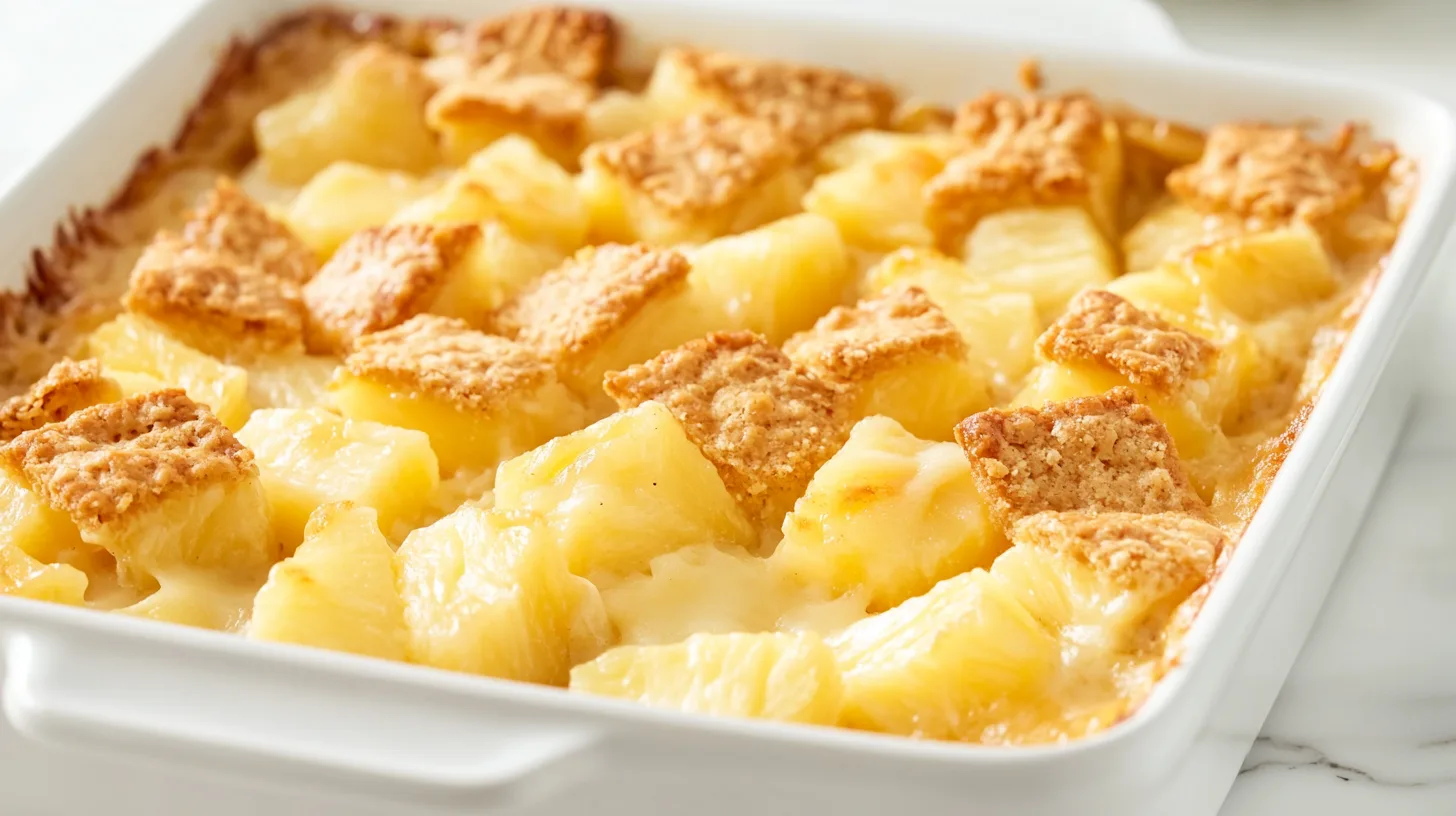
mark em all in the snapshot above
pixel 1367 720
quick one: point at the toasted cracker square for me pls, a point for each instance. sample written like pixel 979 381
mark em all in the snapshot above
pixel 1105 330
pixel 231 224
pixel 548 108
pixel 1158 552
pixel 850 344
pixel 68 387
pixel 578 43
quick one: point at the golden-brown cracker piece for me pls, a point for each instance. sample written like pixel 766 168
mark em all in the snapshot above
pixel 1271 174
pixel 219 304
pixel 765 423
pixel 1159 552
pixel 697 165
pixel 853 343
pixel 1104 329
pixel 67 388
pixel 547 107
pixel 1099 454
pixel 109 461
pixel 810 104
pixel 568 313
pixel 379 278
pixel 231 224
pixel 445 358
pixel 579 43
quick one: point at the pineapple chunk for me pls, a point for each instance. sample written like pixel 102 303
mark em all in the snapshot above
pixel 133 344
pixel 22 576
pixel 199 598
pixel 346 197
pixel 480 398
pixel 896 354
pixel 877 203
pixel 1263 273
pixel 154 480
pixel 472 113
pixel 871 146
pixel 372 111
pixel 953 663
pixel 337 591
pixel 290 381
pixel 310 457
pixel 777 279
pixel 1164 234
pixel 513 182
pixel 890 515
pixel 32 526
pixel 623 491
pixel 1051 253
pixel 689 181
pixel 784 677
pixel 617 113
pixel 488 592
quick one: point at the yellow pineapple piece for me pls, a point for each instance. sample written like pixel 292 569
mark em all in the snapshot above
pixel 310 457
pixel 337 591
pixel 784 677
pixel 765 423
pixel 290 381
pixel 131 344
pixel 604 309
pixel 488 592
pixel 617 113
pixel 877 203
pixel 1165 233
pixel 22 576
pixel 950 664
pixel 1028 153
pixel 472 113
pixel 592 631
pixel 689 181
pixel 371 111
pixel 777 279
pixel 480 398
pixel 897 355
pixel 1263 273
pixel 871 146
pixel 1050 253
pixel 623 491
pixel 346 197
pixel 157 481
pixel 200 598
pixel 32 526
pixel 890 515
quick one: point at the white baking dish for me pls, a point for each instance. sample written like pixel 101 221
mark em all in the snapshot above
pixel 126 716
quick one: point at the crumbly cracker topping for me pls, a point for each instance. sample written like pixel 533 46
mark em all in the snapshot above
pixel 1102 328
pixel 1159 552
pixel 765 423
pixel 853 343
pixel 1099 454
pixel 697 165
pixel 379 278
pixel 1272 174
pixel 232 225
pixel 549 106
pixel 109 461
pixel 67 388
pixel 447 359
pixel 579 43
pixel 809 104
pixel 568 313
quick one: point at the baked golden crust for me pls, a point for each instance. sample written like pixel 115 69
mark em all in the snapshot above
pixel 379 278
pixel 67 388
pixel 111 461
pixel 232 225
pixel 809 104
pixel 548 107
pixel 1101 328
pixel 568 313
pixel 766 424
pixel 1271 174
pixel 1158 552
pixel 579 43
pixel 700 164
pixel 1099 454
pixel 850 344
pixel 445 358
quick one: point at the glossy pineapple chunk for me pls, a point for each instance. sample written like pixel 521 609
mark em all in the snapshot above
pixel 488 592
pixel 475 111
pixel 290 381
pixel 346 197
pixel 890 515
pixel 617 113
pixel 866 147
pixel 337 591
pixel 1263 273
pixel 785 677
pixel 949 664
pixel 896 354
pixel 480 398
pixel 131 344
pixel 371 111
pixel 1050 253
pixel 777 279
pixel 877 203
pixel 1164 234
pixel 623 491
pixel 157 481
pixel 22 576
pixel 310 457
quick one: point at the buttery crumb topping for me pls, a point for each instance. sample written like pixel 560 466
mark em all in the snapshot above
pixel 1160 552
pixel 232 225
pixel 1102 328
pixel 67 388
pixel 853 343
pixel 548 106
pixel 107 462
pixel 578 43
pixel 765 423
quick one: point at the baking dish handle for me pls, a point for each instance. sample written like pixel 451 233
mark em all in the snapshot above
pixel 294 734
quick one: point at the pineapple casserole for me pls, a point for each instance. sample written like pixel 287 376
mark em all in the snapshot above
pixel 720 383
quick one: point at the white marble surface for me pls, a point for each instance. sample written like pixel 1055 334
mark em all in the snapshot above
pixel 1367 721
